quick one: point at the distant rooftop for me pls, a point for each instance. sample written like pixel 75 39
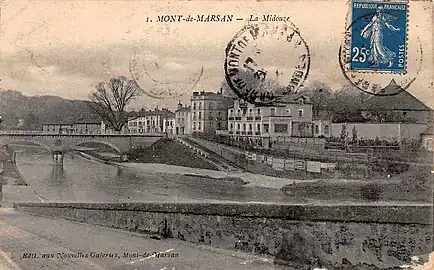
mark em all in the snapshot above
pixel 184 109
pixel 288 99
pixel 163 112
pixel 206 94
pixel 402 100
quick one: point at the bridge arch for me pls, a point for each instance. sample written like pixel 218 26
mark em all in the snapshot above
pixel 26 140
pixel 107 143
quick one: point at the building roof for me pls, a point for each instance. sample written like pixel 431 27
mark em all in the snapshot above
pixel 203 94
pixel 403 100
pixel 88 122
pixel 58 124
pixel 184 109
pixel 294 98
pixel 288 99
pixel 163 112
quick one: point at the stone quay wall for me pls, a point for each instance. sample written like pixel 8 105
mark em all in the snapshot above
pixel 357 236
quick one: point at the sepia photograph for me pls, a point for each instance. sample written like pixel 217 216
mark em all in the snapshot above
pixel 212 134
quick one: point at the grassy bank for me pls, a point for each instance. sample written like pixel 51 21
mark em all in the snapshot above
pixel 170 152
pixel 414 185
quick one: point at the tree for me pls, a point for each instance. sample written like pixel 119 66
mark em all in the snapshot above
pixel 110 99
pixel 354 133
pixel 258 87
pixel 347 105
pixel 226 90
pixel 31 121
pixel 320 95
pixel 11 120
pixel 376 113
pixel 344 132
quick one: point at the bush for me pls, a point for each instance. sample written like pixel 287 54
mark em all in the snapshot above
pixel 371 191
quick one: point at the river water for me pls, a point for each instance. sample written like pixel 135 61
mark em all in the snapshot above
pixel 85 180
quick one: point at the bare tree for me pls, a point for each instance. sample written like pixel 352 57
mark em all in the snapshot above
pixel 321 97
pixel 110 99
pixel 226 90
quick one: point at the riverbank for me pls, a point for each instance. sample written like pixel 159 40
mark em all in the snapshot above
pixel 413 186
pixel 167 170
pixel 11 174
pixel 14 186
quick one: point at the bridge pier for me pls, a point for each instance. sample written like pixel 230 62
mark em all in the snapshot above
pixel 58 158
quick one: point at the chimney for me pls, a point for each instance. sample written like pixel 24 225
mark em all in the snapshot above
pixel 179 104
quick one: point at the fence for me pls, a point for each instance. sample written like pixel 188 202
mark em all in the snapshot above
pixel 42 133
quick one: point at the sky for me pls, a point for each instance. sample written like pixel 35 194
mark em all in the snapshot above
pixel 67 47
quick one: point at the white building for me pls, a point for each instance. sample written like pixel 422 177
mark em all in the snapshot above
pixel 183 120
pixel 292 118
pixel 208 112
pixel 149 122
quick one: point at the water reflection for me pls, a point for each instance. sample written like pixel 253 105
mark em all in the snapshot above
pixel 84 180
pixel 57 173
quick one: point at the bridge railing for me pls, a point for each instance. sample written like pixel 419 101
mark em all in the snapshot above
pixel 40 132
pixel 6 132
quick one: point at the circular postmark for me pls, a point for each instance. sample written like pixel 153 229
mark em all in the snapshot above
pixel 375 55
pixel 162 77
pixel 265 62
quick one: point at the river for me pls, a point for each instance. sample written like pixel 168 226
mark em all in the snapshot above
pixel 85 180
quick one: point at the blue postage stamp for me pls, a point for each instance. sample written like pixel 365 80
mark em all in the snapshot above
pixel 379 36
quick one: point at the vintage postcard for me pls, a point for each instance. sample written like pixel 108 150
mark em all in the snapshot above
pixel 216 134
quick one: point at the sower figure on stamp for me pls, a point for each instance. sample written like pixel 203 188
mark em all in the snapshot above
pixel 374 30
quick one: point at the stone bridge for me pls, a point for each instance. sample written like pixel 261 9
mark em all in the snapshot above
pixel 58 144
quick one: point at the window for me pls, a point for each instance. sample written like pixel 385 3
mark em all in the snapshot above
pixel 250 127
pixel 194 126
pixel 147 122
pixel 266 127
pixel 231 112
pixel 200 115
pixel 231 126
pixel 300 101
pixel 300 113
pixel 258 127
pixel 194 115
pixel 244 127
pixel 259 111
pixel 238 126
pixel 316 129
pixel 273 111
pixel 219 125
pixel 281 128
pixel 238 112
pixel 199 125
pixel 429 144
pixel 210 105
pixel 288 111
pixel 326 129
pixel 194 105
pixel 250 111
pixel 199 106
